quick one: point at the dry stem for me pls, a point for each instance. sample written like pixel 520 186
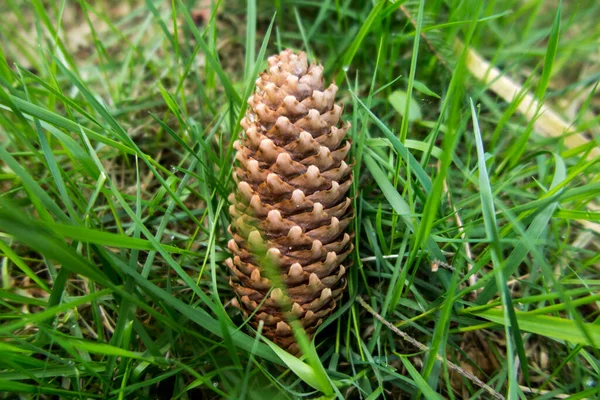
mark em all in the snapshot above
pixel 424 348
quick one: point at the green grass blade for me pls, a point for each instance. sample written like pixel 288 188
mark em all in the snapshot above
pixel 549 60
pixel 232 94
pixel 513 336
pixel 418 380
pixel 551 327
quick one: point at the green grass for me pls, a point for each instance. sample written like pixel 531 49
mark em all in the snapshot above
pixel 477 234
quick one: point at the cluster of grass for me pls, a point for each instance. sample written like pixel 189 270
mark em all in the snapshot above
pixel 475 235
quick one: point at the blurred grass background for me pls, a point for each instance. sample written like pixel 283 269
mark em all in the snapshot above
pixel 475 141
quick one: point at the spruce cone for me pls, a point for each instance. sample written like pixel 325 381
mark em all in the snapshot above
pixel 290 209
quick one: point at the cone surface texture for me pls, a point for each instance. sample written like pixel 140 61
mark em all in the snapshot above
pixel 290 210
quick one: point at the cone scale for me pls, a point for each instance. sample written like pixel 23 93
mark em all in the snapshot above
pixel 290 209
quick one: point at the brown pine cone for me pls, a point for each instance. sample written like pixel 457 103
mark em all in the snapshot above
pixel 290 209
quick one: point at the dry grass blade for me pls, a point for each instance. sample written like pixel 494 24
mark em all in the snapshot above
pixel 548 122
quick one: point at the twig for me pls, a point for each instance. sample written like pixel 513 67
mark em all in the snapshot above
pixel 424 348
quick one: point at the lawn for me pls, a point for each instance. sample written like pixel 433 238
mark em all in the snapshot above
pixel 475 153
